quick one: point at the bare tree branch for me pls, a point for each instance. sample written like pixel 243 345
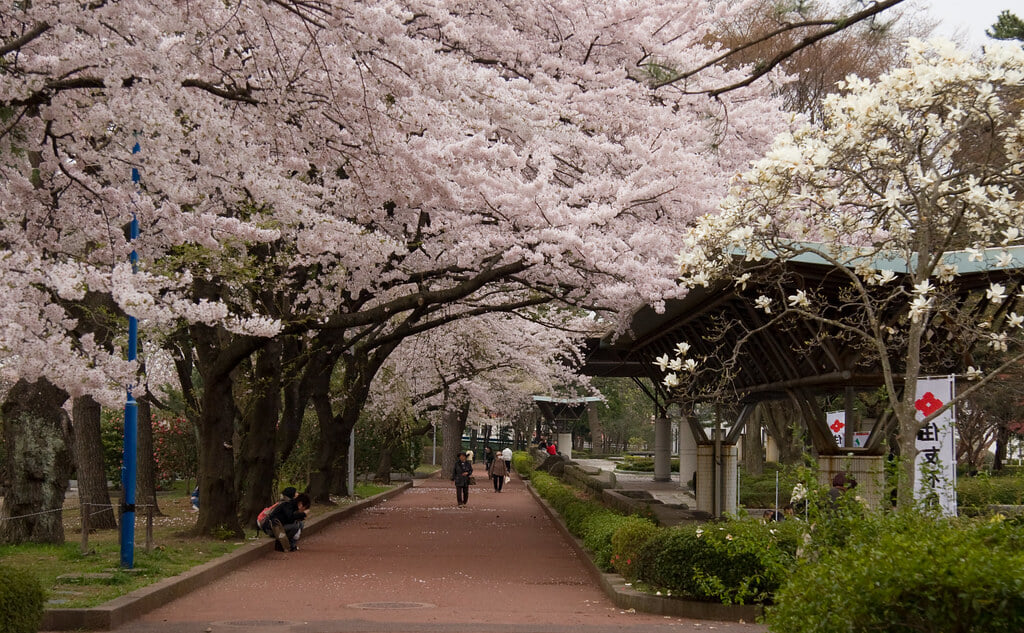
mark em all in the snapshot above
pixel 834 26
pixel 30 35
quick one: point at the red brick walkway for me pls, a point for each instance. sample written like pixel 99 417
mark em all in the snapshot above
pixel 418 564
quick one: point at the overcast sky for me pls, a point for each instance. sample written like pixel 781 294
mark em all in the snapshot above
pixel 969 17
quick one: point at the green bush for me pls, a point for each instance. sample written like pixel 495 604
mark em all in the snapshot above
pixel 732 562
pixel 974 494
pixel 626 543
pixel 522 462
pixel 21 601
pixel 578 511
pixel 906 572
pixel 643 464
pixel 553 491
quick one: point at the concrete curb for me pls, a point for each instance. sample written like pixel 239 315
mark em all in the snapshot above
pixel 626 597
pixel 116 612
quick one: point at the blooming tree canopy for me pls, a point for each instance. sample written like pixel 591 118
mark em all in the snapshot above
pixel 911 189
pixel 337 154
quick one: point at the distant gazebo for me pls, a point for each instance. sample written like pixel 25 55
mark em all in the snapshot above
pixel 561 414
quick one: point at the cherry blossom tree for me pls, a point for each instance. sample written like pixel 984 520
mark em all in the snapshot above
pixel 911 190
pixel 346 175
pixel 492 363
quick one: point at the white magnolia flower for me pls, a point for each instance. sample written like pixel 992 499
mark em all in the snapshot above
pixel 1004 260
pixel 947 272
pixel 998 341
pixel 1015 320
pixel 919 306
pixel 1010 235
pixel 996 293
pixel 974 255
pixel 690 365
pixel 799 300
pixel 924 287
pixel 973 373
pixel 675 364
pixel 764 303
pixel 671 381
pixel 682 348
pixel 741 281
pixel 662 362
pixel 884 276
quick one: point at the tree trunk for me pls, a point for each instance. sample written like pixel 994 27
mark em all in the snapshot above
pixel 596 431
pixel 753 451
pixel 1002 439
pixel 92 480
pixel 453 423
pixel 257 436
pixel 295 395
pixel 38 457
pixel 218 502
pixel 383 474
pixel 146 494
pixel 330 468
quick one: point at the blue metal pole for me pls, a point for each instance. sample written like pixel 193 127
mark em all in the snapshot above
pixel 131 419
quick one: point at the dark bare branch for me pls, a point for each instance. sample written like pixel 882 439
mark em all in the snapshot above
pixel 834 26
pixel 29 35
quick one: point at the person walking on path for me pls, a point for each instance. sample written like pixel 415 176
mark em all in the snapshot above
pixel 488 457
pixel 461 473
pixel 497 471
pixel 506 454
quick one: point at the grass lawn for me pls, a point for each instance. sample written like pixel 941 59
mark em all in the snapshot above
pixel 72 579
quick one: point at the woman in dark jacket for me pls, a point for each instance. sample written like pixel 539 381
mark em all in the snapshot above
pixel 460 475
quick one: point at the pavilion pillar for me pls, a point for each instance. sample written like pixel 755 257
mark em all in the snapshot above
pixel 771 449
pixel 662 450
pixel 564 444
pixel 716 478
pixel 687 453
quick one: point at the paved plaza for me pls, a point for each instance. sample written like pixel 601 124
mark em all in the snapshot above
pixel 416 563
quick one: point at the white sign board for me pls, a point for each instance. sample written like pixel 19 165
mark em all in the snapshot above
pixel 836 421
pixel 935 463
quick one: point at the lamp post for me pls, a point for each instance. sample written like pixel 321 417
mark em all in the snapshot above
pixel 131 414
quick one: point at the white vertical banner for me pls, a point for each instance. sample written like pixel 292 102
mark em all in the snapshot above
pixel 836 421
pixel 935 464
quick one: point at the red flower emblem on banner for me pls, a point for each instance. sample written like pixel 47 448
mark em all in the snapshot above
pixel 928 404
pixel 836 426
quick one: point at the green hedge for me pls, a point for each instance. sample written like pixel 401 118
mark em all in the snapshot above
pixel 734 562
pixel 974 494
pixel 21 601
pixel 586 519
pixel 522 462
pixel 906 572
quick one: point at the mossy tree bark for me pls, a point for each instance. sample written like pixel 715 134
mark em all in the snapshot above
pixel 39 463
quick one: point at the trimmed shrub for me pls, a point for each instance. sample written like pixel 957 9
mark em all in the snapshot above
pixel 974 494
pixel 907 572
pixel 21 601
pixel 522 462
pixel 735 562
pixel 626 543
pixel 578 511
pixel 553 491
